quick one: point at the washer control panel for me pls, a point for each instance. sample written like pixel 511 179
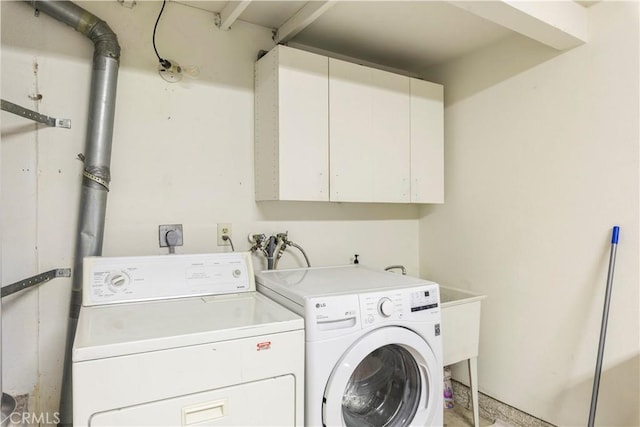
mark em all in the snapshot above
pixel 424 300
pixel 110 280
pixel 405 304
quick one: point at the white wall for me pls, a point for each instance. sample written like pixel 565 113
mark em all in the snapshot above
pixel 541 161
pixel 182 153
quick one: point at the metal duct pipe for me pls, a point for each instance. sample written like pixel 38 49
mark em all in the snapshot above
pixel 97 158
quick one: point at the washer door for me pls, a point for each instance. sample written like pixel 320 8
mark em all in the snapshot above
pixel 384 379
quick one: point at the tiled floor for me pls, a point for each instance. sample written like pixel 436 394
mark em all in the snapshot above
pixel 461 417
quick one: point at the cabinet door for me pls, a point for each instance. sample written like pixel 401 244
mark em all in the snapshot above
pixel 427 142
pixel 291 126
pixel 369 135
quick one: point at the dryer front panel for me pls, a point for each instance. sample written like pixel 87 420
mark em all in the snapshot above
pixel 389 377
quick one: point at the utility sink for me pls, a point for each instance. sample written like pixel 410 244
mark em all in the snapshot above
pixel 460 324
pixel 453 296
pixel 461 334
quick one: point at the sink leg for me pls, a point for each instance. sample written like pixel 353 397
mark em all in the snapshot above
pixel 473 378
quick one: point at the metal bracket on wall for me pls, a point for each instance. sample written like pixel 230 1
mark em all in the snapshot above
pixel 35 280
pixel 35 116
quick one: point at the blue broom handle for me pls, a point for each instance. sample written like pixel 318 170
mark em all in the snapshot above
pixel 603 328
pixel 614 235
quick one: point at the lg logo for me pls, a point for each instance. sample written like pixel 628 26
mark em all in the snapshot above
pixel 321 305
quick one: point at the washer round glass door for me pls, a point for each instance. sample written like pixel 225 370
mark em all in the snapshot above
pixel 384 379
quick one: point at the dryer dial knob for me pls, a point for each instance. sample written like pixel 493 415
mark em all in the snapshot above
pixel 385 307
pixel 118 281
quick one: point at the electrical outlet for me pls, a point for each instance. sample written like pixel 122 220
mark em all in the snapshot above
pixel 176 234
pixel 224 229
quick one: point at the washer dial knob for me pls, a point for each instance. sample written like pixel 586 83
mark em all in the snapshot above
pixel 385 307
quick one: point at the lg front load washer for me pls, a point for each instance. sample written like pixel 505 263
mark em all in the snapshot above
pixel 373 344
pixel 184 340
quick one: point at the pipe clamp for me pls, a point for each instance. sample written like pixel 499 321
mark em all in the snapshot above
pixel 95 178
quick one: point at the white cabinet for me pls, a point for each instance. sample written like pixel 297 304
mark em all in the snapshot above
pixel 369 136
pixel 427 142
pixel 291 126
pixel 327 129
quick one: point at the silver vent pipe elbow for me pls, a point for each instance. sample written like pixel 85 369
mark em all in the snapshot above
pixel 97 160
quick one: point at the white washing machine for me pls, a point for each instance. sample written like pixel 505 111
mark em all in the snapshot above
pixel 184 340
pixel 373 344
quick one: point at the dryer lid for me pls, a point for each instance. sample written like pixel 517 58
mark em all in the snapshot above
pixel 122 329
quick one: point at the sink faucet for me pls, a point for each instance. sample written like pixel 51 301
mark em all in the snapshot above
pixel 401 267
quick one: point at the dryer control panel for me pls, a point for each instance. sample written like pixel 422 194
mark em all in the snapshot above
pixel 110 280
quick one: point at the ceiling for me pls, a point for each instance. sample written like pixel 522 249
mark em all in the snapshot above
pixel 403 35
